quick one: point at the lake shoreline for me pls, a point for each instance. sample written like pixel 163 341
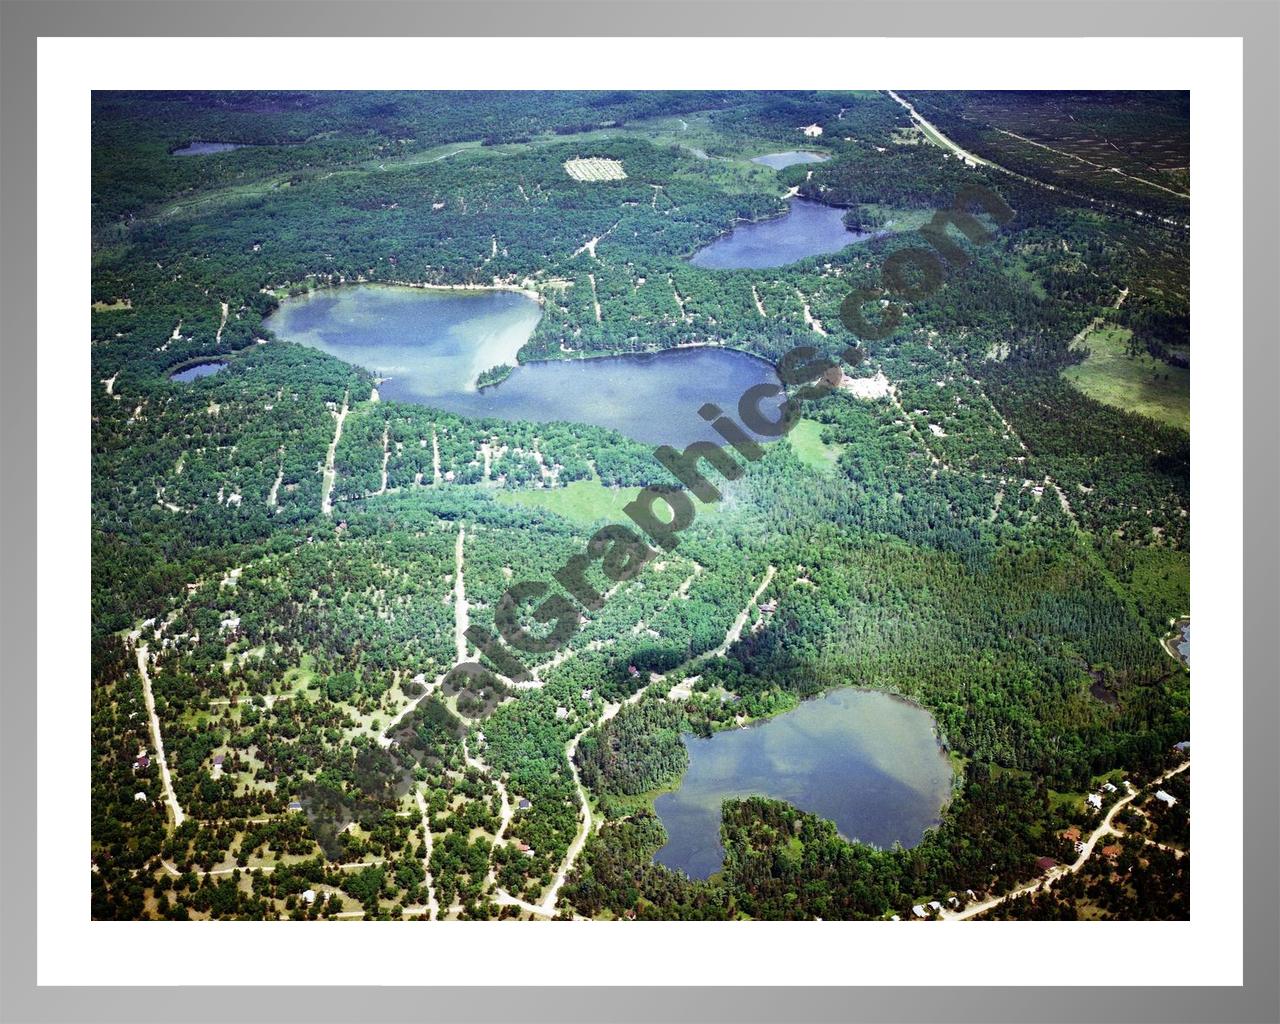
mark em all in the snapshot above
pixel 1171 640
pixel 812 224
pixel 443 347
pixel 537 297
pixel 222 362
pixel 871 772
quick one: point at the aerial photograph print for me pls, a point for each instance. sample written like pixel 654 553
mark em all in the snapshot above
pixel 640 506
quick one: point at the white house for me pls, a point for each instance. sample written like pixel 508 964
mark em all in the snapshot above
pixel 919 911
pixel 1094 800
pixel 935 906
pixel 812 131
pixel 309 896
pixel 1109 787
pixel 1166 797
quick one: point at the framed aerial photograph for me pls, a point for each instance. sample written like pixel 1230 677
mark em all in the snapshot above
pixel 641 505
pixel 525 520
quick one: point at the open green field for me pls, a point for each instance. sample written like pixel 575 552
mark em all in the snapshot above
pixel 1141 383
pixel 588 501
pixel 806 441
pixel 583 501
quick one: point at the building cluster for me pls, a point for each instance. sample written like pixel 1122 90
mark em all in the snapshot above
pixel 934 908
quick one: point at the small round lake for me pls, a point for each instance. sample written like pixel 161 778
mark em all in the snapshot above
pixel 806 229
pixel 867 761
pixel 788 159
pixel 190 373
pixel 432 345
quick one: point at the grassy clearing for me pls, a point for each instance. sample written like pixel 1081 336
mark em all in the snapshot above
pixel 1070 802
pixel 582 501
pixel 1140 384
pixel 897 219
pixel 1020 272
pixel 806 441
pixel 302 676
pixel 589 501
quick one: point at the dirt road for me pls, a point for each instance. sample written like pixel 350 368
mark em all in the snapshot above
pixel 171 798
pixel 330 474
pixel 433 908
pixel 1053 874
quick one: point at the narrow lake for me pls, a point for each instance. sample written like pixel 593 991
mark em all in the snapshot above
pixel 866 761
pixel 1184 645
pixel 205 148
pixel 206 369
pixel 432 345
pixel 806 229
pixel 788 159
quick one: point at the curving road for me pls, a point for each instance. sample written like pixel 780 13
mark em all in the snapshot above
pixel 1054 873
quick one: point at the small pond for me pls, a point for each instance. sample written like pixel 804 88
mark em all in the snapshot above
pixel 867 761
pixel 806 229
pixel 195 372
pixel 788 159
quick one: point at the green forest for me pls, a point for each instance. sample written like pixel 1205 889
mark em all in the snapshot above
pixel 304 590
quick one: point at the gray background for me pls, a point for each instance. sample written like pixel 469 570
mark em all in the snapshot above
pixel 21 23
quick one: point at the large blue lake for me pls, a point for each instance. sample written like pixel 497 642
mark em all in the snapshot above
pixel 806 229
pixel 867 761
pixel 432 345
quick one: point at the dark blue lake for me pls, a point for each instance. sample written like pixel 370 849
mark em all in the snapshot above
pixel 806 229
pixel 866 761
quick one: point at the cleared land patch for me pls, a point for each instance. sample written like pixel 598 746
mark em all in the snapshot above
pixel 806 441
pixel 1136 383
pixel 583 501
pixel 594 168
